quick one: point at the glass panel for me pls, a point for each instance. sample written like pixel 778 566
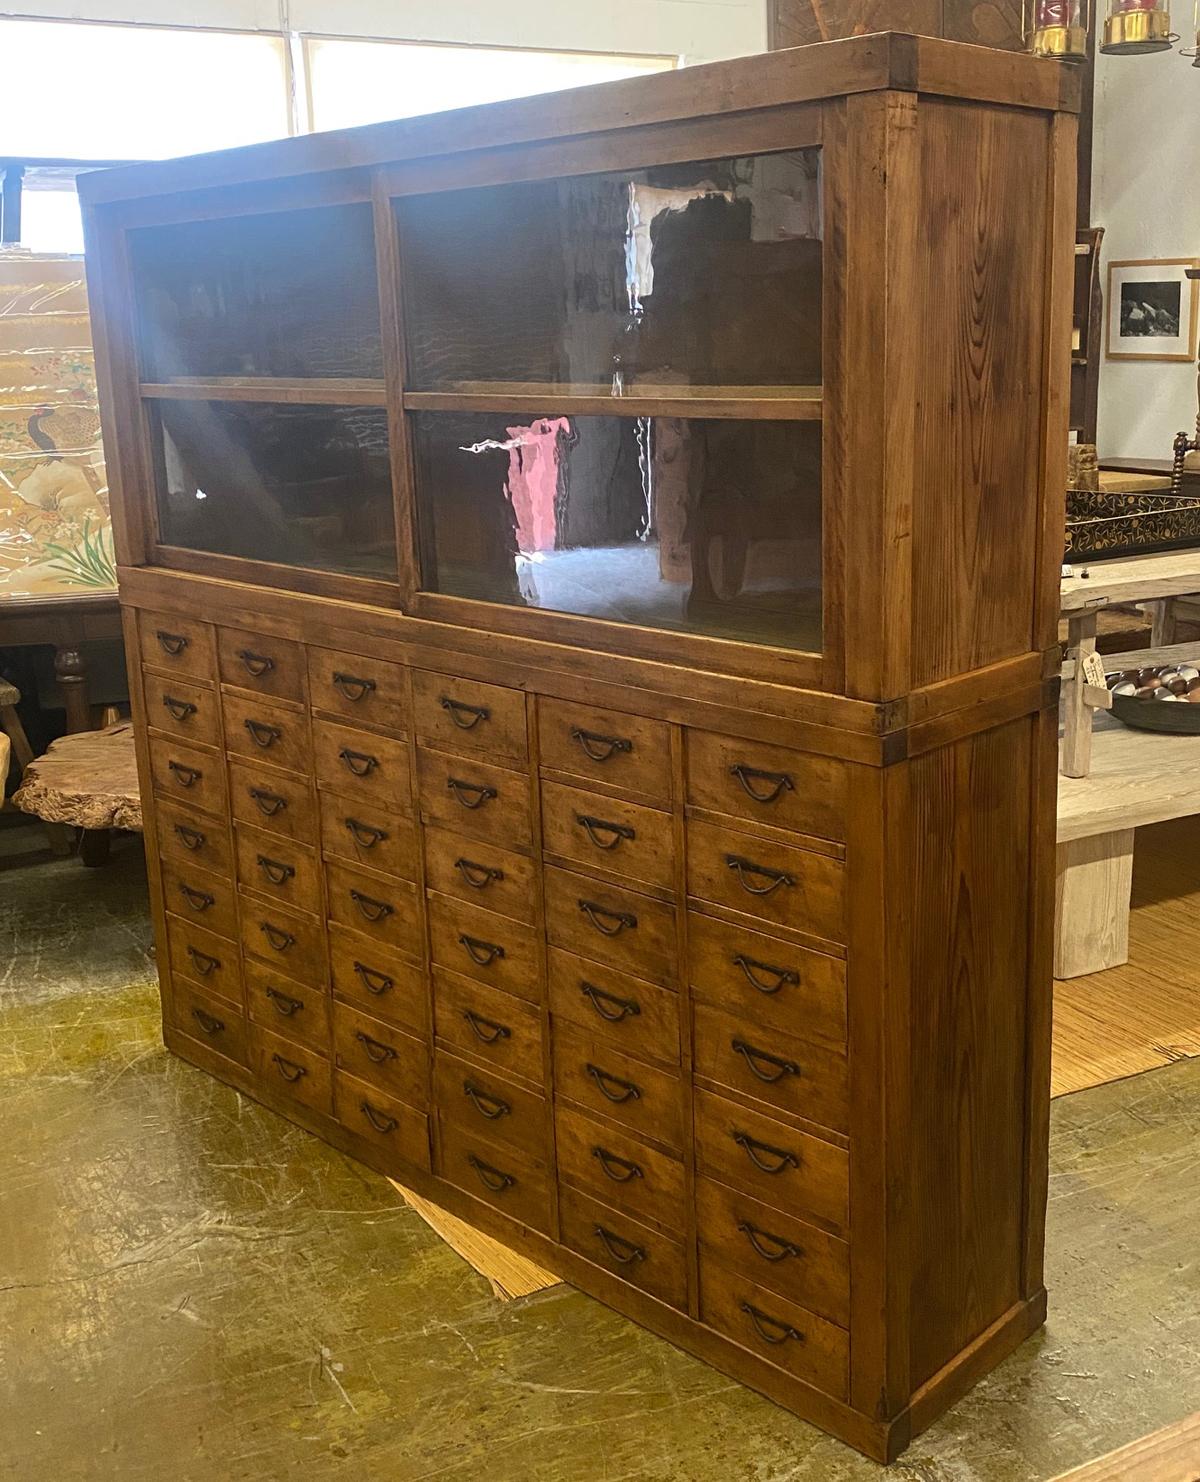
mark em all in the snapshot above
pixel 681 275
pixel 288 294
pixel 701 526
pixel 299 485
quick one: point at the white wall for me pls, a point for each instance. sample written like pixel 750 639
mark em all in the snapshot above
pixel 1146 194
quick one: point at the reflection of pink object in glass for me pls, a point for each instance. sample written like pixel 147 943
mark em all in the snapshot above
pixel 1121 7
pixel 533 480
pixel 1053 13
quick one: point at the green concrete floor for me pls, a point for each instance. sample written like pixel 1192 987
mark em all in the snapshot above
pixel 192 1290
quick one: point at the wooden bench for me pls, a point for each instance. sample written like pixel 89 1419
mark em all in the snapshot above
pixel 87 780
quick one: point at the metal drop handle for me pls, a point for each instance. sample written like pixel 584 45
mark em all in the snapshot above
pixel 596 827
pixel 746 867
pixel 464 792
pixel 359 762
pixel 771 1329
pixel 255 664
pixel 199 900
pixel 352 687
pixel 190 838
pixel 491 1178
pixel 369 908
pixel 180 710
pixel 267 803
pixel 603 1079
pixel 379 1120
pixel 755 1058
pixel 377 1052
pixel 171 643
pixel 753 1149
pixel 262 734
pixel 482 954
pixel 185 776
pixel 751 967
pixel 284 1003
pixel 597 915
pixel 288 1069
pixel 477 876
pixel 276 937
pixel 608 1161
pixel 374 982
pixel 624 1008
pixel 481 1101
pixel 770 1247
pixel 778 782
pixel 208 1022
pixel 599 748
pixel 365 835
pixel 275 870
pixel 620 1249
pixel 202 962
pixel 465 717
pixel 487 1031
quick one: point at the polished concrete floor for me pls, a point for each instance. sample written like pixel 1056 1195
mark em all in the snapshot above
pixel 191 1290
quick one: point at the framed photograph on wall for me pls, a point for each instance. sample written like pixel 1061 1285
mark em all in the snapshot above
pixel 1152 307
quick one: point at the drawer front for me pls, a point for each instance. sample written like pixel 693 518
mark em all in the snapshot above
pixel 260 662
pixel 769 784
pixel 204 958
pixel 266 734
pixel 399 1130
pixel 387 986
pixel 208 1019
pixel 384 909
pixel 269 800
pixel 291 1010
pixel 776 1250
pixel 498 1109
pixel 208 900
pixel 368 835
pixel 609 1238
pixel 777 1330
pixel 292 1072
pixel 784 1168
pixel 188 712
pixel 500 1176
pixel 608 924
pixel 788 1074
pixel 489 948
pixel 590 1073
pixel 481 873
pixel 628 751
pixel 472 797
pixel 618 1169
pixel 180 773
pixel 290 943
pixel 365 691
pixel 177 645
pixel 187 836
pixel 463 715
pixel 362 766
pixel 591 830
pixel 488 1025
pixel 777 984
pixel 279 868
pixel 381 1055
pixel 637 1017
pixel 788 887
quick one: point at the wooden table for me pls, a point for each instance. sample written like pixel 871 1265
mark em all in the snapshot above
pixel 87 780
pixel 65 623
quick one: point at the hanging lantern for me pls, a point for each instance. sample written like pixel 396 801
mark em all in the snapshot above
pixel 1059 29
pixel 1194 51
pixel 1133 27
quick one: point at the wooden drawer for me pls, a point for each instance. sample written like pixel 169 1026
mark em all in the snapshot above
pixel 367 835
pixel 386 985
pixel 290 1071
pixel 381 1055
pixel 188 836
pixel 789 1074
pixel 792 1338
pixel 372 770
pixel 209 1019
pixel 769 784
pixel 290 943
pixel 177 645
pixel 205 958
pixel 635 1016
pixel 267 799
pixel 618 1168
pixel 481 873
pixel 773 982
pixel 463 715
pixel 589 829
pixel 590 1073
pixel 785 1168
pixel 472 797
pixel 185 775
pixel 399 1130
pixel 257 661
pixel 365 691
pixel 608 924
pixel 189 712
pixel 498 1109
pixel 643 1257
pixel 289 1009
pixel 279 868
pixel 778 1251
pixel 629 751
pixel 518 1186
pixel 492 949
pixel 208 900
pixel 385 909
pixel 267 734
pixel 796 888
pixel 493 1027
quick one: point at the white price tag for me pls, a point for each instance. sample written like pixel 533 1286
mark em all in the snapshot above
pixel 1093 669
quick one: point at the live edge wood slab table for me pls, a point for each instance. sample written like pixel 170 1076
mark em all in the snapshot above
pixel 590 565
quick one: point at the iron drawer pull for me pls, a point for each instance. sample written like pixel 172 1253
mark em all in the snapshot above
pixel 487 1031
pixel 621 1250
pixel 597 826
pixel 602 1078
pixel 369 908
pixel 764 1324
pixel 255 664
pixel 626 1008
pixel 480 1100
pixel 593 912
pixel 267 803
pixel 376 1051
pixel 199 900
pixel 275 870
pixel 365 835
pixel 171 643
pixel 743 867
pixel 262 734
pixel 482 954
pixel 208 1022
pixel 608 1161
pixel 374 982
pixel 597 747
pixel 185 776
pixel 778 1248
pixel 489 1177
pixel 288 1069
pixel 190 838
pixel 753 1057
pixel 353 688
pixel 202 962
pixel 180 710
pixel 359 762
pixel 750 966
pixel 277 938
pixel 464 791
pixel 284 1003
pixel 752 1147
pixel 779 782
pixel 379 1120
pixel 477 876
pixel 457 708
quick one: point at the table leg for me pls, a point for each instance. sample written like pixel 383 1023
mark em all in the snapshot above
pixel 1091 903
pixel 70 669
pixel 1077 716
pixel 1162 622
pixel 93 846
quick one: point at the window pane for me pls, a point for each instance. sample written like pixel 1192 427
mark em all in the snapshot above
pixel 358 82
pixel 50 219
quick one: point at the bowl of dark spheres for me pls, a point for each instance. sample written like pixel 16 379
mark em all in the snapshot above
pixel 1160 697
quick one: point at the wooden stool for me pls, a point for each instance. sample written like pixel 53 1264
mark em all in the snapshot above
pixel 10 724
pixel 88 780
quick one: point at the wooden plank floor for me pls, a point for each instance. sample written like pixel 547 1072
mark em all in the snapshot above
pixel 1169 1455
